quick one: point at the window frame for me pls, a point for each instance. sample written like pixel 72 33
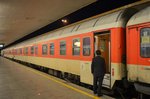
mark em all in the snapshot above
pixel 76 47
pixel 63 41
pixel 53 50
pixel 32 50
pixel 141 41
pixel 20 50
pixel 43 51
pixel 83 46
pixel 26 51
pixel 36 50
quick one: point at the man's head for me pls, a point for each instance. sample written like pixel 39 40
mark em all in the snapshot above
pixel 98 52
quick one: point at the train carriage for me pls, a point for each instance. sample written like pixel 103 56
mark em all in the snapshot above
pixel 71 49
pixel 138 50
pixel 68 51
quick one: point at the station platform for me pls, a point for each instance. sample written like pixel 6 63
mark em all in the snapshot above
pixel 20 82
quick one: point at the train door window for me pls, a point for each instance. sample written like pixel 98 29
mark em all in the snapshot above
pixel 51 48
pixel 36 50
pixel 86 46
pixel 145 42
pixel 32 50
pixel 76 47
pixel 63 48
pixel 44 49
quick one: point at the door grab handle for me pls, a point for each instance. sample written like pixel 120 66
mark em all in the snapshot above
pixel 148 60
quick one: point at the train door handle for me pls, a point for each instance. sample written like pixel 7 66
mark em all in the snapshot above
pixel 148 60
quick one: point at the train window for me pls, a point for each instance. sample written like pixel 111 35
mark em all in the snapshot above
pixel 51 48
pixel 76 47
pixel 36 50
pixel 23 51
pixel 86 46
pixel 26 50
pixel 145 42
pixel 63 48
pixel 32 49
pixel 44 49
pixel 16 51
pixel 20 50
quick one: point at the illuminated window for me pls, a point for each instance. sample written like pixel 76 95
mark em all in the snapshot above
pixel 145 42
pixel 76 47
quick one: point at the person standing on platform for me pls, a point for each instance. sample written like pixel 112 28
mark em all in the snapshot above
pixel 98 71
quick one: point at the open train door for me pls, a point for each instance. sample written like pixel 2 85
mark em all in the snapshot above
pixel 102 42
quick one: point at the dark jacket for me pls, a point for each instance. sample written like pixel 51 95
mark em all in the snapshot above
pixel 98 66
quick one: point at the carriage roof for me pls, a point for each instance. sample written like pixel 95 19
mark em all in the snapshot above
pixel 102 21
pixel 142 16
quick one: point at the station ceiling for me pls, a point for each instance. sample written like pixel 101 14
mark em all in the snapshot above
pixel 21 17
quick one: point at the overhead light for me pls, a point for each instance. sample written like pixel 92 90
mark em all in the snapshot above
pixel 1 45
pixel 64 20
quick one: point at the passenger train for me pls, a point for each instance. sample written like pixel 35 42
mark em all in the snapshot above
pixel 123 36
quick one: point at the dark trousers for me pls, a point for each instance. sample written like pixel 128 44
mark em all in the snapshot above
pixel 97 84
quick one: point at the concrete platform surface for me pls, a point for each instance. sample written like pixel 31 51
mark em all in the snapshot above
pixel 20 82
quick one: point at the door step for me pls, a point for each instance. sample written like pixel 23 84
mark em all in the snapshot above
pixel 106 81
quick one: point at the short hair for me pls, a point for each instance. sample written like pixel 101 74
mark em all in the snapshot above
pixel 98 52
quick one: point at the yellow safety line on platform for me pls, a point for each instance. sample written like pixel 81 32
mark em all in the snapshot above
pixel 68 86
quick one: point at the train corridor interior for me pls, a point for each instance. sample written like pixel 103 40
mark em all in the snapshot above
pixel 102 42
